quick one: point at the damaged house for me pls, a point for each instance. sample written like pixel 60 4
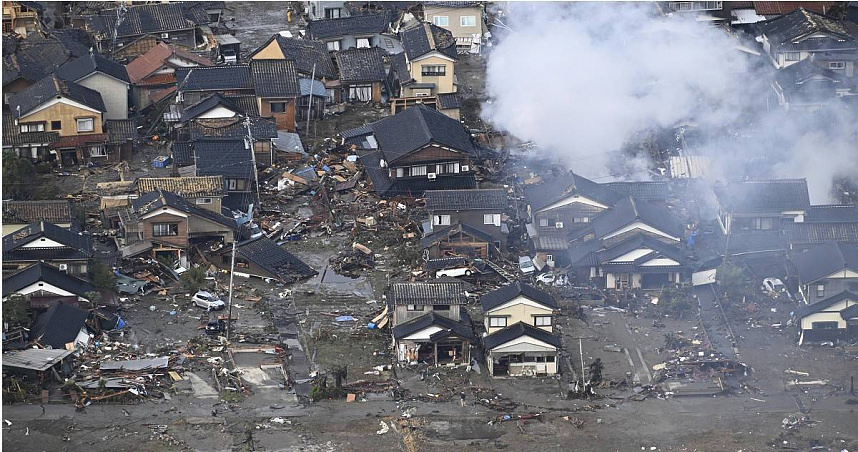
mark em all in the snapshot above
pixel 362 74
pixel 46 242
pixel 805 85
pixel 263 258
pixel 427 66
pixel 480 214
pixel 802 34
pixel 205 192
pixel 19 214
pixel 430 323
pixel 103 75
pixel 153 74
pixel 356 32
pixel 521 350
pixel 760 204
pixel 231 159
pixel 311 58
pixel 465 20
pixel 416 150
pixel 824 270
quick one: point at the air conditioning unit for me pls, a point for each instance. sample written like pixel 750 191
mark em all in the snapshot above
pixel 465 168
pixel 558 225
pixel 64 267
pixel 431 175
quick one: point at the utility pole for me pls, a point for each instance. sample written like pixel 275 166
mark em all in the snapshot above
pixel 310 105
pixel 231 276
pixel 252 154
pixel 581 352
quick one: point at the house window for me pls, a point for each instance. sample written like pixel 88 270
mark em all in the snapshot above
pixel 204 200
pixel 824 325
pixel 820 290
pixel 441 220
pixel 543 222
pixel 763 223
pixel 453 167
pixel 362 43
pixel 165 229
pixel 468 21
pixel 441 21
pixel 56 125
pixel 388 43
pixel 34 127
pixel 792 56
pixel 165 35
pixel 418 170
pixel 836 65
pixel 278 107
pixel 85 125
pixel 497 322
pixel 695 6
pixel 333 46
pixel 549 258
pixel 400 172
pixel 414 307
pixel 492 218
pixel 433 70
pixel 542 320
pixel 333 13
pixel 97 151
pixel 581 220
pixel 441 307
pixel 236 184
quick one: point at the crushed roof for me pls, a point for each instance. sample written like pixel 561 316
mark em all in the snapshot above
pixel 12 135
pixel 506 293
pixel 643 190
pixel 440 234
pixel 77 246
pixel 426 293
pixel 361 65
pixel 387 188
pixel 214 78
pixel 790 28
pixel 58 326
pixel 41 271
pixel 516 331
pixel 157 57
pixel 764 195
pixel 275 78
pixel 120 131
pixel 417 127
pixel 274 259
pixel 145 19
pixel 79 68
pixel 485 199
pixel 27 212
pixel 823 260
pixel 775 8
pixel 352 25
pixel 51 87
pixel 425 38
pixel 34 59
pixel 447 101
pixel 226 157
pixel 305 53
pixel 188 187
pixel 260 128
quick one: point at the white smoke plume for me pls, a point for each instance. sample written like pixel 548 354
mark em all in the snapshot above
pixel 581 80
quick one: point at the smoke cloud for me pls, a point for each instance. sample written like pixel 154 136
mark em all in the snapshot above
pixel 582 80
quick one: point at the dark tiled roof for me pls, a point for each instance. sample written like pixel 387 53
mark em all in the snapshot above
pixel 346 26
pixel 275 78
pixel 246 102
pixel 764 196
pixel 51 87
pixel 821 305
pixel 359 131
pixel 361 65
pixel 644 190
pixel 223 157
pixel 516 331
pixel 798 24
pixel 417 127
pixel 426 293
pixel 10 44
pixel 439 235
pixel 506 293
pixel 756 241
pixel 431 319
pixel 76 246
pixel 215 78
pixel 387 188
pixel 207 103
pixel 145 19
pixel 120 131
pixel 447 262
pixel 183 153
pixel 34 60
pixel 447 101
pixel 548 192
pixel 816 233
pixel 488 199
pixel 424 38
pixel 260 128
pixel 640 241
pixel 58 326
pixel 144 65
pixel 79 68
pixel 28 212
pixel 823 260
pixel 75 40
pixel 275 260
pixel 778 8
pixel 188 187
pixel 41 271
pixel 305 53
pixel 583 254
pixel 161 198
pixel 630 210
pixel 12 135
pixel 831 214
pixel 399 67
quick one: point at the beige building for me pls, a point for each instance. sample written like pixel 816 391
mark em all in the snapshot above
pixel 831 319
pixel 521 350
pixel 516 303
pixel 463 19
pixel 427 66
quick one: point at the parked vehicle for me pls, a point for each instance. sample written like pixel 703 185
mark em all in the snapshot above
pixel 215 327
pixel 525 264
pixel 454 272
pixel 208 300
pixel 773 286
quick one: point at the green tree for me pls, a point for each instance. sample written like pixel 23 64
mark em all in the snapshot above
pixel 731 280
pixel 194 279
pixel 18 176
pixel 15 311
pixel 101 275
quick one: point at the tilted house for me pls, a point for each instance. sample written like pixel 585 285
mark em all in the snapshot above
pixel 412 147
pixel 521 350
pixel 45 242
pixel 233 160
pixel 34 146
pixel 311 57
pixel 153 74
pixel 826 269
pixel 263 258
pixel 31 60
pixel 107 77
pixel 42 285
pixel 482 210
pixel 277 90
pixel 518 302
pixel 73 111
pixel 361 31
pixel 464 20
pixel 263 132
pixel 760 204
pixel 800 34
pixel 362 74
pixel 428 68
pixel 19 214
pixel 830 319
pixel 60 325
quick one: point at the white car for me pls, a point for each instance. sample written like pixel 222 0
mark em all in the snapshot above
pixel 208 300
pixel 525 264
pixel 454 272
pixel 773 286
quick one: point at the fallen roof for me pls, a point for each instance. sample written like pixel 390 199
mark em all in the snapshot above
pixel 187 187
pixel 79 68
pixel 387 188
pixel 135 365
pixel 58 326
pixel 753 196
pixel 509 292
pixel 815 233
pixel 486 199
pixel 823 260
pixel 516 331
pixel 306 53
pixel 778 8
pixel 361 65
pixel 432 319
pixel 275 260
pixel 790 29
pixel 643 190
pixel 260 128
pixel 51 87
pixel 425 38
pixel 440 234
pixel 159 198
pixel 426 293
pixel 144 19
pixel 49 274
pixel 12 135
pixel 157 57
pixel 215 78
pixel 227 157
pixel 27 212
pixel 120 131
pixel 38 359
pixel 34 59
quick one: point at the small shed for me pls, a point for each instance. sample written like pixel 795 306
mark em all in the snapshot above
pixel 38 362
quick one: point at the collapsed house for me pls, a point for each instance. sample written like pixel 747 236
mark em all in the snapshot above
pixel 483 210
pixel 263 258
pixel 761 204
